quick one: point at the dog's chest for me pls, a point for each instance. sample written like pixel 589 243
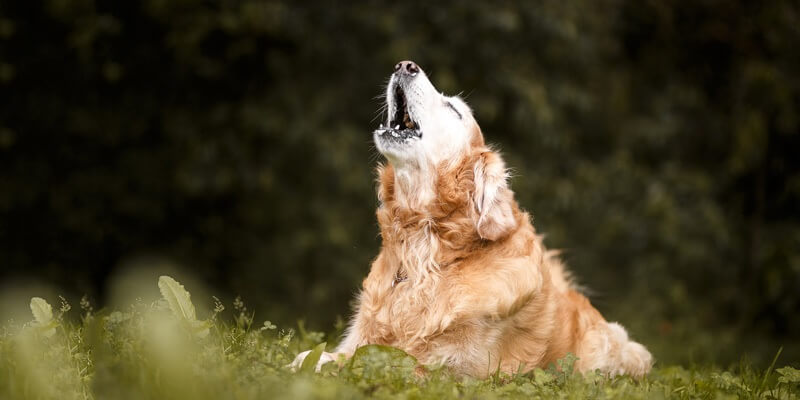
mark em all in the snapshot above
pixel 408 313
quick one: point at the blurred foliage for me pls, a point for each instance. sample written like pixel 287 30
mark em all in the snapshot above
pixel 655 141
pixel 155 351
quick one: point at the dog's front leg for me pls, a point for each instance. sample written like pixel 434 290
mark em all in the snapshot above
pixel 352 340
pixel 367 304
pixel 345 350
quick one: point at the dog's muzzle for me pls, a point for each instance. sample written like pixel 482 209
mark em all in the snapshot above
pixel 401 126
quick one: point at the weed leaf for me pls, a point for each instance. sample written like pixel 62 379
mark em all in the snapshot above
pixel 42 311
pixel 179 299
pixel 43 316
pixel 789 375
pixel 200 328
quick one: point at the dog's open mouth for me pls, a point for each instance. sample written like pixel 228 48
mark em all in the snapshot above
pixel 401 126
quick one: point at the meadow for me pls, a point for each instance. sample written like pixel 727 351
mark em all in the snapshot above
pixel 163 350
pixel 228 144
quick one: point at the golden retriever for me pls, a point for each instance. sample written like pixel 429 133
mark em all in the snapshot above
pixel 462 278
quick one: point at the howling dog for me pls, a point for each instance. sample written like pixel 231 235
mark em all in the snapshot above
pixel 462 279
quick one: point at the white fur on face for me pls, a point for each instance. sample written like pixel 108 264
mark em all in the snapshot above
pixel 443 125
pixel 443 121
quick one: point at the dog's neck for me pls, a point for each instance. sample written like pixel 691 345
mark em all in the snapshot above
pixel 416 201
pixel 407 228
pixel 415 187
pixel 416 256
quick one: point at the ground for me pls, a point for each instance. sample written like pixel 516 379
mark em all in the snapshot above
pixel 162 350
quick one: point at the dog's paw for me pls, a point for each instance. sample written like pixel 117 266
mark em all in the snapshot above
pixel 324 358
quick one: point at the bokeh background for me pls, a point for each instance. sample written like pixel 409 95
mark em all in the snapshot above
pixel 229 143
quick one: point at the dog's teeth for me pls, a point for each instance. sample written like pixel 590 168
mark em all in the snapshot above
pixel 397 127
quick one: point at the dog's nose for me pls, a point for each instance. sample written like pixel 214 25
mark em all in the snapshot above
pixel 406 68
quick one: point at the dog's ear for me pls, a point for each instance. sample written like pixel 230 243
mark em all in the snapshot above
pixel 493 199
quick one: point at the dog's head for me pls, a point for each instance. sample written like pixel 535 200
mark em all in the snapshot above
pixel 429 138
pixel 423 127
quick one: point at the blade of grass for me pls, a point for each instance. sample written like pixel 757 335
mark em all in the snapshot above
pixel 769 371
pixel 310 363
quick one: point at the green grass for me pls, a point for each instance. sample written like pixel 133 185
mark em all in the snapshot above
pixel 161 350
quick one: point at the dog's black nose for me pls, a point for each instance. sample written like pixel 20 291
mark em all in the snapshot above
pixel 406 68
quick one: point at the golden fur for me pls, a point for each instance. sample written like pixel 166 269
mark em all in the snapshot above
pixel 464 280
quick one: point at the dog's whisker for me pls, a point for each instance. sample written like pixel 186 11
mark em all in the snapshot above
pixel 378 114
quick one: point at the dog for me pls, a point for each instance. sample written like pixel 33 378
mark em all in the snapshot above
pixel 462 279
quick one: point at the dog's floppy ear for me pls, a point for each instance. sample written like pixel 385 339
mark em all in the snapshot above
pixel 493 199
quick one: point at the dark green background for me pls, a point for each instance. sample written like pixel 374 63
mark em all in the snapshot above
pixel 656 142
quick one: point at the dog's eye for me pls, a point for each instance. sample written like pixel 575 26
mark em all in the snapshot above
pixel 454 109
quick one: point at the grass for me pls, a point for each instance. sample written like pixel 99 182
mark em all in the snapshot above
pixel 161 350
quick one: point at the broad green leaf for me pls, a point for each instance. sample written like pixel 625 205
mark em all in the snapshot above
pixel 310 363
pixel 42 311
pixel 377 361
pixel 178 297
pixel 394 354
